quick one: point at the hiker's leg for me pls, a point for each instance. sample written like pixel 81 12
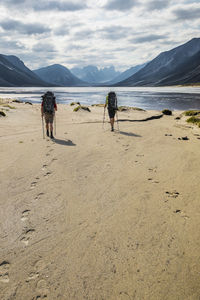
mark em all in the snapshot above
pixel 46 116
pixel 112 123
pixel 51 129
pixel 47 129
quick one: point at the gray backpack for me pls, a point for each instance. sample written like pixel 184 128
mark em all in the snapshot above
pixel 112 101
pixel 48 102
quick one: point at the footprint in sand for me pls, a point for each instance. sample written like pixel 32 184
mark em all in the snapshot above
pixel 173 194
pixel 152 180
pixel 38 266
pixel 25 215
pixel 153 169
pixel 33 184
pixel 39 196
pixel 47 174
pixel 44 167
pixel 182 214
pixel 53 159
pixel 27 236
pixel 4 271
pixel 42 290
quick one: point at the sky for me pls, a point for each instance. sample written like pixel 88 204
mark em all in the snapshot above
pixel 77 33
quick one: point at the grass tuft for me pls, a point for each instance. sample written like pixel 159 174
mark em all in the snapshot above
pixel 194 120
pixel 75 103
pixel 192 112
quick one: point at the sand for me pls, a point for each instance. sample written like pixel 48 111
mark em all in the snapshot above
pixel 95 214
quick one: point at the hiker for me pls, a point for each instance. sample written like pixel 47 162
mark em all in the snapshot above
pixel 48 108
pixel 111 102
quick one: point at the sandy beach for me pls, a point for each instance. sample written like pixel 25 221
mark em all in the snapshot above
pixel 95 214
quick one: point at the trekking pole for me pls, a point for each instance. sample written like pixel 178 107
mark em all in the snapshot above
pixel 117 120
pixel 55 122
pixel 104 113
pixel 42 126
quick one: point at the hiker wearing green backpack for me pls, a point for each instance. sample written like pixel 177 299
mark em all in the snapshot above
pixel 48 108
pixel 111 102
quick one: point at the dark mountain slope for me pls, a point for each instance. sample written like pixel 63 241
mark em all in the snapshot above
pixel 59 75
pixel 13 75
pixel 165 65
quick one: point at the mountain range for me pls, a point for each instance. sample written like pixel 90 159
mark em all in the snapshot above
pixel 181 65
pixel 94 75
pixel 126 74
pixel 58 75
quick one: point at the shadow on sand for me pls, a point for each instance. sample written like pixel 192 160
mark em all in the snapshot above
pixel 129 134
pixel 64 142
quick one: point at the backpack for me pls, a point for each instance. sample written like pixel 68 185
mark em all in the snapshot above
pixel 48 102
pixel 112 101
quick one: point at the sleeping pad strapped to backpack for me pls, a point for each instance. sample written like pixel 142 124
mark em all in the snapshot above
pixel 112 101
pixel 48 102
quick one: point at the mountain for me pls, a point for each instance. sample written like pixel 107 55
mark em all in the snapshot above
pixel 126 74
pixel 94 75
pixel 13 72
pixel 177 66
pixel 59 75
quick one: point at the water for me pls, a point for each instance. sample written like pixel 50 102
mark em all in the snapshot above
pixel 158 98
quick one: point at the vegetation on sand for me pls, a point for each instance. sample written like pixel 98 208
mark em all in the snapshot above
pixel 194 120
pixel 75 103
pixel 98 105
pixel 167 112
pixel 81 107
pixel 192 112
pixel 8 105
pixel 2 114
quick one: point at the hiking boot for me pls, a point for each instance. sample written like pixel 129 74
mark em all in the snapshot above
pixel 52 137
pixel 47 132
pixel 112 129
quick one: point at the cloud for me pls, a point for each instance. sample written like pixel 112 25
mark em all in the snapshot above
pixel 45 47
pixel 75 47
pixel 10 46
pixel 157 4
pixel 59 5
pixel 47 5
pixel 188 13
pixel 61 30
pixel 121 5
pixel 115 32
pixel 83 34
pixel 20 27
pixel 147 38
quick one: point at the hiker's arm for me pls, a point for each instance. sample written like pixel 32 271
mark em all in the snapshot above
pixel 55 106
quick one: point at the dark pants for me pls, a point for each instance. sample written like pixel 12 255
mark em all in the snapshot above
pixel 111 113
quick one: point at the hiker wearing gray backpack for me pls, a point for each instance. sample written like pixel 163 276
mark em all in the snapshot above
pixel 111 102
pixel 48 108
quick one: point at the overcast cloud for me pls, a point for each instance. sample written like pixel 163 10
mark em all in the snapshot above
pixel 99 32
